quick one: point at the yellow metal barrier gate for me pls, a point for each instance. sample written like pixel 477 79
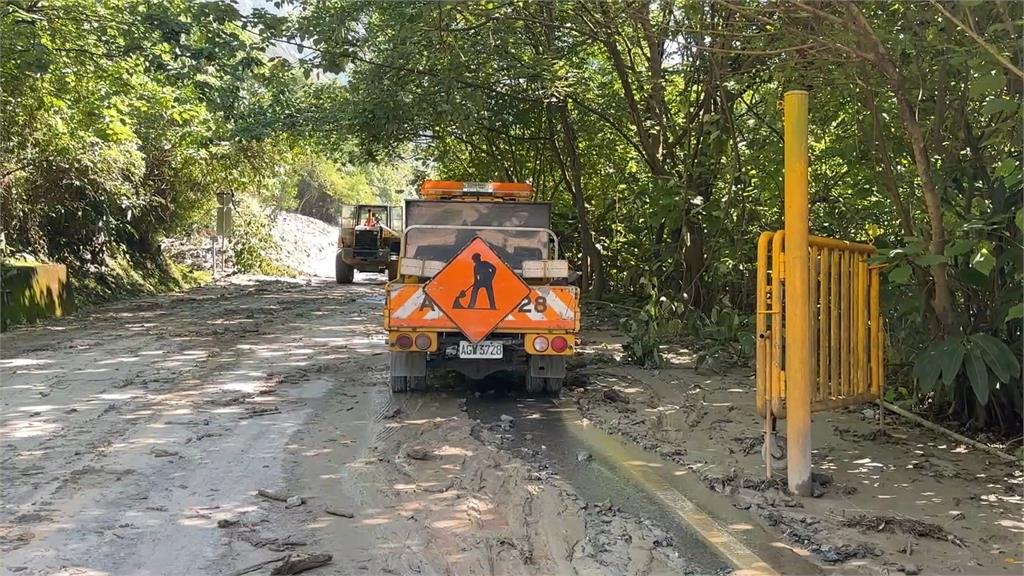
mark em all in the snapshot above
pixel 845 331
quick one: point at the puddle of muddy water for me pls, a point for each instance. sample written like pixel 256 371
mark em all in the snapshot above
pixel 593 476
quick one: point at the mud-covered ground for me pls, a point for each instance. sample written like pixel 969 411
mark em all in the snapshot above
pixel 889 499
pixel 208 432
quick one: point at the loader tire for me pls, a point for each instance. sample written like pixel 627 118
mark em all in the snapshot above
pixel 343 272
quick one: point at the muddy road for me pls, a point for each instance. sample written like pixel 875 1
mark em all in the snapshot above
pixel 208 432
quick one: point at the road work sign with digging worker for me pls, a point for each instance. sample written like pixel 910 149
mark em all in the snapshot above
pixel 477 289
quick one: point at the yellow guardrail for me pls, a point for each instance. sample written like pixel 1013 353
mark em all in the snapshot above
pixel 846 327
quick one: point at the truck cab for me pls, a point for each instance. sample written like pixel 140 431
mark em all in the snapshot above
pixel 480 288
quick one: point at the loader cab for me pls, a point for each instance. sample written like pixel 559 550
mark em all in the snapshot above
pixel 369 239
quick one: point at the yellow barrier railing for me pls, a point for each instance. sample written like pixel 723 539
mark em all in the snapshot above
pixel 846 327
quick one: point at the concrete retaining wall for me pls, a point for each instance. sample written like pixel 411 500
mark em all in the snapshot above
pixel 32 292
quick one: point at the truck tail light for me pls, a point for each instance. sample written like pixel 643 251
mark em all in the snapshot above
pixel 559 344
pixel 540 343
pixel 423 342
pixel 404 341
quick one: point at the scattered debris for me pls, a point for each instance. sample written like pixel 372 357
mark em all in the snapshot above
pixel 910 569
pixel 294 501
pixel 257 566
pixel 891 524
pixel 507 419
pixel 260 411
pixel 584 456
pixel 161 452
pixel 613 395
pixel 271 495
pixel 339 512
pixel 227 523
pixel 820 483
pixel 294 564
pixel 419 453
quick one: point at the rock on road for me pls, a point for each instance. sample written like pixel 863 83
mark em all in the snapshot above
pixel 136 439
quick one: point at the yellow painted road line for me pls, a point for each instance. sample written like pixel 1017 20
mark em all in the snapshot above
pixel 645 475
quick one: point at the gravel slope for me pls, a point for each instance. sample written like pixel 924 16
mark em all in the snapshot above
pixel 305 244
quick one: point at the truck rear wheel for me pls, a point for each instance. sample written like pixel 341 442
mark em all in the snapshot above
pixel 543 385
pixel 343 273
pixel 401 384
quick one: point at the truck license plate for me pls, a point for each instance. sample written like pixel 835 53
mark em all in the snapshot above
pixel 485 349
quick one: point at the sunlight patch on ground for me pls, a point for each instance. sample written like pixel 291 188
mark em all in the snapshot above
pixel 17 362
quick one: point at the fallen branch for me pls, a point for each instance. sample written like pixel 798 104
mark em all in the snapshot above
pixel 256 567
pixel 301 563
pixel 936 428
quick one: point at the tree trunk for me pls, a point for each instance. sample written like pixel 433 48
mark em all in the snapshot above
pixel 942 296
pixel 572 170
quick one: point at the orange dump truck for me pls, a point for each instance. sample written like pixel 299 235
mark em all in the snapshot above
pixel 480 288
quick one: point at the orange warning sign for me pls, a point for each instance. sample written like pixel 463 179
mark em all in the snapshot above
pixel 476 289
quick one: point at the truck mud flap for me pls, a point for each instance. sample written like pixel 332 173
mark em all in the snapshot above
pixel 408 364
pixel 547 366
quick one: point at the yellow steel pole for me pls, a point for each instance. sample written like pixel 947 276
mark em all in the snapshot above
pixel 797 287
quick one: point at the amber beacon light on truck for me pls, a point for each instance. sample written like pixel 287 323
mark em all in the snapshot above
pixel 481 288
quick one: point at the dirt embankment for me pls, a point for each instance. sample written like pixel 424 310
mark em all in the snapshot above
pixel 887 498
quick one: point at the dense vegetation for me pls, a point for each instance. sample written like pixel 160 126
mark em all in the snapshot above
pixel 653 126
pixel 122 119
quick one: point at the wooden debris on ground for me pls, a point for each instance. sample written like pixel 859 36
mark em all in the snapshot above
pixel 339 512
pixel 296 563
pixel 891 524
pixel 257 566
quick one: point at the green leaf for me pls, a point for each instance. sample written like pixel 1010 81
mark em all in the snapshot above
pixel 1014 313
pixel 1020 218
pixel 997 356
pixel 986 84
pixel 900 275
pixel 977 373
pixel 926 367
pixel 972 277
pixel 951 358
pixel 1006 167
pixel 983 261
pixel 959 248
pixel 994 106
pixel 929 259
